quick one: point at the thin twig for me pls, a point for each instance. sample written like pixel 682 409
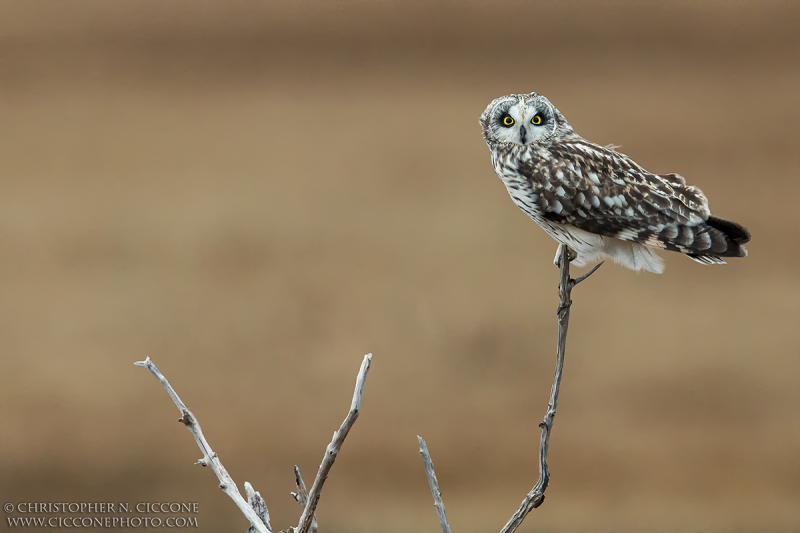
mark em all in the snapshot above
pixel 581 278
pixel 434 484
pixel 257 523
pixel 301 497
pixel 536 496
pixel 333 449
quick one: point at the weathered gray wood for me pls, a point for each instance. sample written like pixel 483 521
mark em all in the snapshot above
pixel 210 458
pixel 255 509
pixel 434 484
pixel 301 497
pixel 333 449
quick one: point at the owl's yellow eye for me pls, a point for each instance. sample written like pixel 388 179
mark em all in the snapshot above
pixel 536 120
pixel 508 121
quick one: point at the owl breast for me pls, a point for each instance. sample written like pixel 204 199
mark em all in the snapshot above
pixel 506 164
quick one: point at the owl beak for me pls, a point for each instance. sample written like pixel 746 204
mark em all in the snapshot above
pixel 522 134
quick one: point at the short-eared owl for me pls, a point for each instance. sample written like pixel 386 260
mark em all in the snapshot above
pixel 598 201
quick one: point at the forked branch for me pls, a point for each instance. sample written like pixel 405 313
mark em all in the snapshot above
pixel 254 508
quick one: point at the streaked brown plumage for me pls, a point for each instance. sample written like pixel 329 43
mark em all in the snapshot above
pixel 596 200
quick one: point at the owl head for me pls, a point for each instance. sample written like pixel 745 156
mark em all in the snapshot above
pixel 523 119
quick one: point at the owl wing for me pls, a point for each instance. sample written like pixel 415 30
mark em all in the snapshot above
pixel 604 192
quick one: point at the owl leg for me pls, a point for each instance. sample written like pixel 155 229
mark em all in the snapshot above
pixel 571 255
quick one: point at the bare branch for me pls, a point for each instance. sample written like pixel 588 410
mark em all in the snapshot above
pixel 434 484
pixel 333 449
pixel 257 523
pixel 301 497
pixel 592 271
pixel 258 504
pixel 536 496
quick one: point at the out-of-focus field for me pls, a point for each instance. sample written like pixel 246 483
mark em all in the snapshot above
pixel 257 194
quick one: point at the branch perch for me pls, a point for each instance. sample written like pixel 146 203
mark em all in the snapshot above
pixel 536 496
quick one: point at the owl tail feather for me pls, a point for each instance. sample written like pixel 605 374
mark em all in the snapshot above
pixel 706 259
pixel 727 237
pixel 734 231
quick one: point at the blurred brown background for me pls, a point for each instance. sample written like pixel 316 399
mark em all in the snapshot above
pixel 256 194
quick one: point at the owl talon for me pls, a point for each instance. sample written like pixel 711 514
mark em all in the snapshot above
pixel 571 255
